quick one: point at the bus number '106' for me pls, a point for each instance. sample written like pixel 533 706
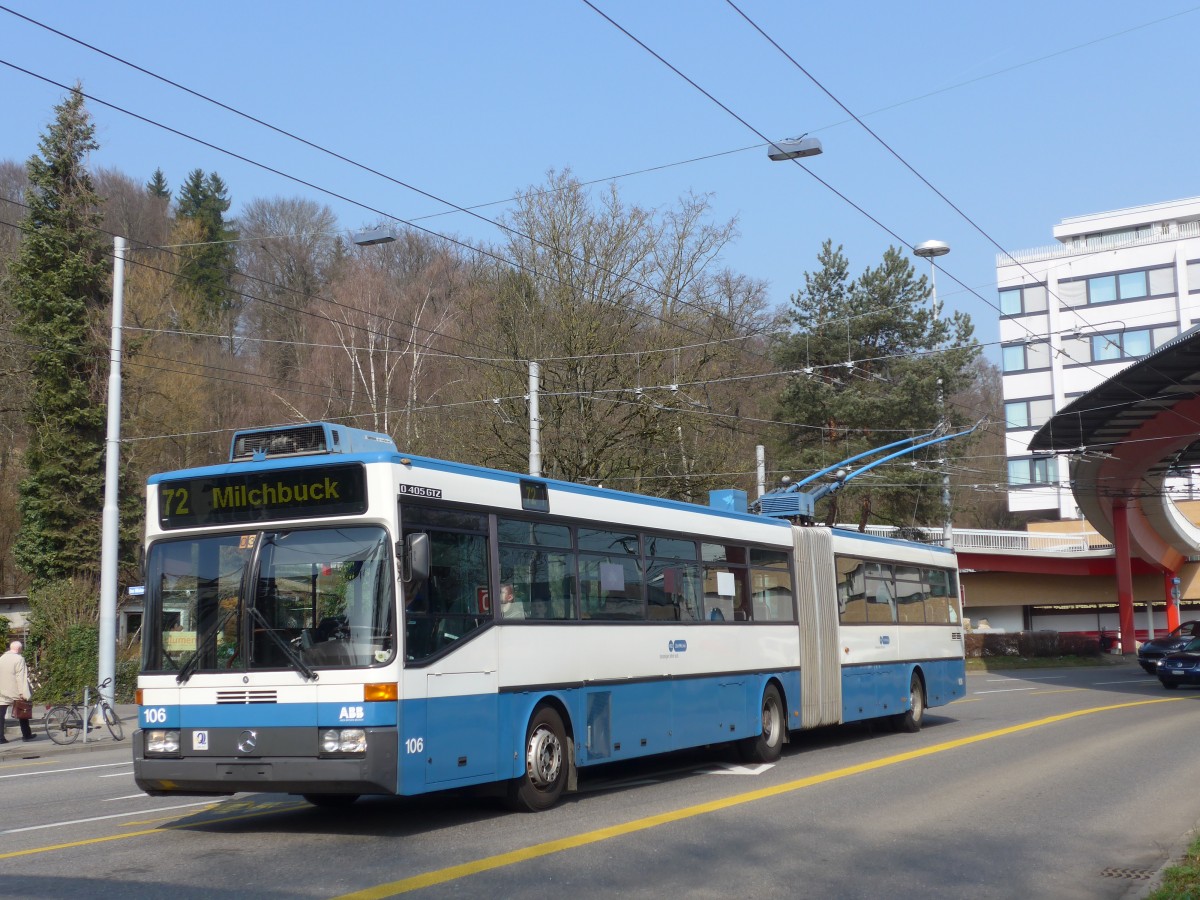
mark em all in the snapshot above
pixel 414 745
pixel 175 501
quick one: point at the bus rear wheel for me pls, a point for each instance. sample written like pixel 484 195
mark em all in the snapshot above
pixel 767 746
pixel 545 764
pixel 911 719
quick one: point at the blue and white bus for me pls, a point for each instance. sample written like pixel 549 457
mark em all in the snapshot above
pixel 329 617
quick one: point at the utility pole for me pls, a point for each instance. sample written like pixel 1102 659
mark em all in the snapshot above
pixel 111 522
pixel 535 425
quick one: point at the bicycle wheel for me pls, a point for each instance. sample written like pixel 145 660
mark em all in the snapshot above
pixel 113 723
pixel 63 724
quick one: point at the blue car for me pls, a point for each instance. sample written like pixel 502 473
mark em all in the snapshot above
pixel 1180 667
pixel 1152 651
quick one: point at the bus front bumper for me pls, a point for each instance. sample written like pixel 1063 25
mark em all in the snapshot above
pixel 374 772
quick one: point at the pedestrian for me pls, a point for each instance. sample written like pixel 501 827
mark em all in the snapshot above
pixel 14 685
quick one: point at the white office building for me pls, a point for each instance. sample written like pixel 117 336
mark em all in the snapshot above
pixel 1115 287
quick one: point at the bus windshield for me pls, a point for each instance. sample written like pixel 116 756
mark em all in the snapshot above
pixel 300 599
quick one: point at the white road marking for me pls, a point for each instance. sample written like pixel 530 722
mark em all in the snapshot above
pixel 140 812
pixel 735 769
pixel 138 796
pixel 60 771
pixel 1005 690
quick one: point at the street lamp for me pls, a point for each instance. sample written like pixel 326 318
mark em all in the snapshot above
pixel 374 236
pixel 930 250
pixel 794 148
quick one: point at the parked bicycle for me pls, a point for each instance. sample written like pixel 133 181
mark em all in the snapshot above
pixel 64 724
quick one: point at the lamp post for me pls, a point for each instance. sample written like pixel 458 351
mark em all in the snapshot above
pixel 930 250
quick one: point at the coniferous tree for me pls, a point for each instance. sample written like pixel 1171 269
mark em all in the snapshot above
pixel 874 363
pixel 208 269
pixel 59 287
pixel 157 185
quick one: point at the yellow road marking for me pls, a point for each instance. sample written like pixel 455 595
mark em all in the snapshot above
pixel 500 860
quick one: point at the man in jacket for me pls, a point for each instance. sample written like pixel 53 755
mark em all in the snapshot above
pixel 14 685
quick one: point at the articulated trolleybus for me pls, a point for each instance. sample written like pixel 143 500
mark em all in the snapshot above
pixel 329 617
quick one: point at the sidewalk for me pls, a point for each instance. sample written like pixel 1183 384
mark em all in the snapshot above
pixel 98 737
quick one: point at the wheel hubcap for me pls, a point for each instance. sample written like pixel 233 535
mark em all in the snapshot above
pixel 770 723
pixel 543 761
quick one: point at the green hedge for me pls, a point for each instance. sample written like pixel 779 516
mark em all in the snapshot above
pixel 67 664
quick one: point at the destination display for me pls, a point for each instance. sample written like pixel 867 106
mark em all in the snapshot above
pixel 263 496
pixel 534 496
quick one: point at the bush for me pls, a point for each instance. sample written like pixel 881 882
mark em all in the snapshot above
pixel 66 662
pixel 1030 644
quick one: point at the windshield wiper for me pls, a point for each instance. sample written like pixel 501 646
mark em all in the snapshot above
pixel 283 645
pixel 190 666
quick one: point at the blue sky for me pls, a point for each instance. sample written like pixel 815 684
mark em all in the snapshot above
pixel 1021 113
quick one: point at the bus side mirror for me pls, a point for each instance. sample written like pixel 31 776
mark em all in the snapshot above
pixel 416 558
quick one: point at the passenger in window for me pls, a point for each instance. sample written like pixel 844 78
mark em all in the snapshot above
pixel 509 607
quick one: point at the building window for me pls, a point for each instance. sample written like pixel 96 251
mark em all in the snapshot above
pixel 1028 472
pixel 1193 276
pixel 1028 413
pixel 1132 285
pixel 1026 357
pixel 1030 298
pixel 1162 282
pixel 1125 286
pixel 1120 345
pixel 1100 239
pixel 1115 345
pixel 1102 289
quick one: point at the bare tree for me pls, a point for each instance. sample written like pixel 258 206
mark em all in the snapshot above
pixel 131 211
pixel 633 324
pixel 394 306
pixel 287 249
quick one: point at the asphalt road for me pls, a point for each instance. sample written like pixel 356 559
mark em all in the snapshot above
pixel 1056 783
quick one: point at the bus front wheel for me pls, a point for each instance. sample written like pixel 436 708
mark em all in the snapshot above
pixel 767 746
pixel 545 764
pixel 911 719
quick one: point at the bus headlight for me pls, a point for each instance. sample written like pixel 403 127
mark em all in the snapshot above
pixel 162 741
pixel 344 740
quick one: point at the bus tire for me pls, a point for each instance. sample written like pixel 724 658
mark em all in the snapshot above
pixel 546 764
pixel 767 745
pixel 910 720
pixel 330 801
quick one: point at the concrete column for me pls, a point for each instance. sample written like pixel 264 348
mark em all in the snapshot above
pixel 1124 578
